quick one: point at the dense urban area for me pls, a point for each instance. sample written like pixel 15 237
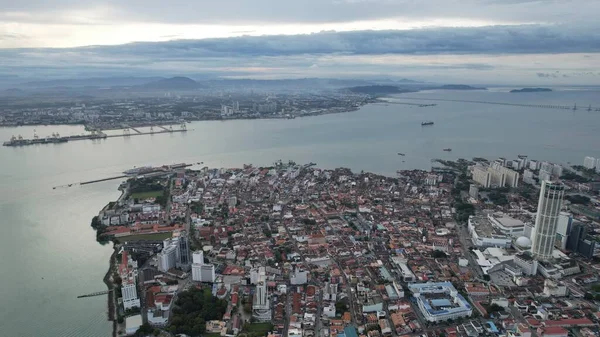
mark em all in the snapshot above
pixel 471 248
pixel 173 101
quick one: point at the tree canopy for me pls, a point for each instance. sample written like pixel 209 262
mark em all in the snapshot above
pixel 193 309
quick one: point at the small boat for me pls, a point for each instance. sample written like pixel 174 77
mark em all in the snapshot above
pixel 401 154
pixel 426 123
pixel 448 149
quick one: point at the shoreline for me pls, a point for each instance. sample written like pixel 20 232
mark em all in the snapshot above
pixel 111 295
pixel 142 125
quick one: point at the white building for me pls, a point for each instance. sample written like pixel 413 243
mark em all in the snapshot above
pixel 589 162
pixel 207 273
pixel 130 297
pixel 527 264
pixel 557 170
pixel 481 176
pixel 546 221
pixel 167 258
pixel 299 276
pixel 563 228
pixel 261 306
pixel 528 177
pixel 484 234
pixel 506 224
pixel 202 272
pixel 495 175
pixel 440 301
pixel 555 289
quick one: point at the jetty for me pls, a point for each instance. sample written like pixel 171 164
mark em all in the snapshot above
pixel 95 134
pixel 98 293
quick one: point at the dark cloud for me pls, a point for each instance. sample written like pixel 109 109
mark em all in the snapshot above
pixel 454 51
pixel 532 39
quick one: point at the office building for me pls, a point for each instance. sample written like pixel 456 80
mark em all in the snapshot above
pixel 183 251
pixel 580 242
pixel 440 301
pixel 202 272
pixel 546 221
pixel 175 253
pixel 167 258
pixel 261 308
pixel 589 162
pixel 563 228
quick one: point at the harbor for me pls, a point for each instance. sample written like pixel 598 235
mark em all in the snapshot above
pixel 56 138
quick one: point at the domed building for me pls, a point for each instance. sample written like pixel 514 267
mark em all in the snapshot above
pixel 523 243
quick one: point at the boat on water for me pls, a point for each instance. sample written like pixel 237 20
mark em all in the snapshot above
pixel 426 123
pixel 138 170
pixel 448 149
pixel 401 154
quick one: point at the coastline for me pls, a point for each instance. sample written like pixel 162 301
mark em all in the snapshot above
pixel 111 295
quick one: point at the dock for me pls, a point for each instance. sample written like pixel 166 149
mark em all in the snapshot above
pixel 98 293
pixel 55 139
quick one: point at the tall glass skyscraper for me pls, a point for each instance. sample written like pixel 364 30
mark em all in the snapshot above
pixel 546 221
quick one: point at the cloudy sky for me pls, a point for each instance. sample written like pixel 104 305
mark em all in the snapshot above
pixel 470 41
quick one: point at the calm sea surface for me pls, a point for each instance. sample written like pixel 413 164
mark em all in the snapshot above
pixel 49 253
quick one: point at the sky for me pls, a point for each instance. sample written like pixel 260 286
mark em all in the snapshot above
pixel 468 41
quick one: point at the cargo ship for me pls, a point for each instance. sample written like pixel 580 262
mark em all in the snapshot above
pixel 426 123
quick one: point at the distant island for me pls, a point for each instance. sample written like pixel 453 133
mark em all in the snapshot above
pixel 530 90
pixel 456 87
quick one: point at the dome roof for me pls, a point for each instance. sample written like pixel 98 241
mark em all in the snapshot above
pixel 523 242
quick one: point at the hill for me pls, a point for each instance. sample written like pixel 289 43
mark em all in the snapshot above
pixel 456 87
pixel 530 90
pixel 174 83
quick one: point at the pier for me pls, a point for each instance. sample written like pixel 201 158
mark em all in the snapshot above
pixel 95 134
pixel 99 293
pixel 543 106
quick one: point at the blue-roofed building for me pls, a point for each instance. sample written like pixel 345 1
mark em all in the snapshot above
pixel 440 301
pixel 350 332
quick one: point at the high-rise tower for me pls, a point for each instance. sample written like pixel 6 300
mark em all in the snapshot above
pixel 546 221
